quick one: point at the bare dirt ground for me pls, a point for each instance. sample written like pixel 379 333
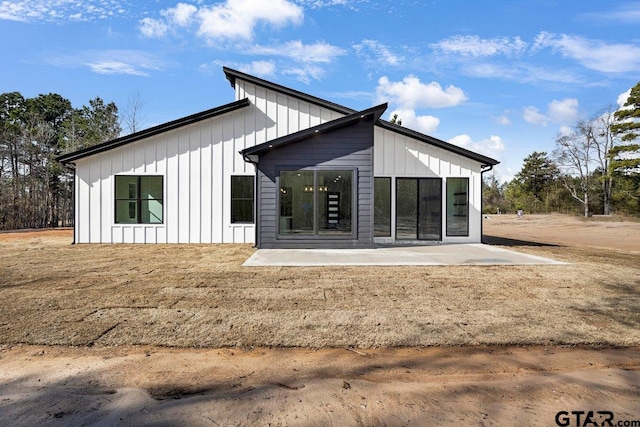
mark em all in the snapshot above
pixel 604 232
pixel 88 334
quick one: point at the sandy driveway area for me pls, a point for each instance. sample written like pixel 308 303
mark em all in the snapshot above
pixel 599 232
pixel 474 386
pixel 482 385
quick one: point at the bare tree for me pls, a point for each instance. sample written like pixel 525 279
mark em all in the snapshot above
pixel 599 129
pixel 132 117
pixel 574 156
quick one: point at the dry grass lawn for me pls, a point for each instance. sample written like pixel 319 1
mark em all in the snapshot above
pixel 54 293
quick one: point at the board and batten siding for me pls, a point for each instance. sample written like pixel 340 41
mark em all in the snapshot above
pixel 279 114
pixel 196 161
pixel 348 148
pixel 397 155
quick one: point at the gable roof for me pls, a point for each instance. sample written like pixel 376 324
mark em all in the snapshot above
pixel 251 154
pixel 233 75
pixel 152 131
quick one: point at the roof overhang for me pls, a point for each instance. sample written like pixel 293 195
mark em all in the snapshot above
pixel 484 160
pixel 373 114
pixel 147 133
pixel 233 76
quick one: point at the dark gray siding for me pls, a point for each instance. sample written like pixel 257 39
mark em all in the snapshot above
pixel 349 147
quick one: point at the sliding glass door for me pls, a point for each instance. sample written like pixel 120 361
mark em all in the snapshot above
pixel 419 209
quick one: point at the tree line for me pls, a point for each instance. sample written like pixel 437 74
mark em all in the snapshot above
pixel 35 190
pixel 594 169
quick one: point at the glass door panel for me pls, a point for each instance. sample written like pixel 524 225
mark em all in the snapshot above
pixel 334 202
pixel 406 208
pixel 382 207
pixel 296 202
pixel 430 209
pixel 419 209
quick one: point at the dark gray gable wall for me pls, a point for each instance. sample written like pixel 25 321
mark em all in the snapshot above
pixel 347 147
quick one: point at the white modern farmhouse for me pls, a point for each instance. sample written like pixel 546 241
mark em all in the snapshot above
pixel 281 169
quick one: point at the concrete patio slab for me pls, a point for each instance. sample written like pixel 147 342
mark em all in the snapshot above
pixel 459 254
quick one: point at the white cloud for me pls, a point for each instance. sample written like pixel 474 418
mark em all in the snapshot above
pixel 593 54
pixel 532 115
pixel 257 68
pixel 318 4
pixel 502 120
pixel 153 27
pixel 493 146
pixel 306 73
pixel 480 56
pixel 60 10
pixel 563 111
pixel 115 67
pixel 564 131
pixel 423 124
pixel 622 98
pixel 410 94
pixel 375 52
pixel 320 52
pixel 476 46
pixel 13 11
pixel 181 15
pixel 113 61
pixel 625 14
pixel 260 68
pixel 230 20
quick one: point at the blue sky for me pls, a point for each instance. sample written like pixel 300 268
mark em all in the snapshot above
pixel 502 78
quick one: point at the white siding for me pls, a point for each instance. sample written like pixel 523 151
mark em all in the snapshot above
pixel 397 155
pixel 198 160
pixel 280 114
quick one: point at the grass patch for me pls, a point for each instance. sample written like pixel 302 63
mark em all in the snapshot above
pixel 54 293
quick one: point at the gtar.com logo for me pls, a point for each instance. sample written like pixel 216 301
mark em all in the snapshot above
pixel 591 418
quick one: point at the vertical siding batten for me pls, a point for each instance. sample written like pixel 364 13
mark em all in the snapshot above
pixel 94 199
pixel 84 201
pixel 217 172
pixel 106 196
pixel 195 179
pixel 228 162
pixel 172 195
pixel 205 183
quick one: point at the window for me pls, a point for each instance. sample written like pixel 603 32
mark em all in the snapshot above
pixel 242 199
pixel 316 203
pixel 138 199
pixel 382 207
pixel 457 206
